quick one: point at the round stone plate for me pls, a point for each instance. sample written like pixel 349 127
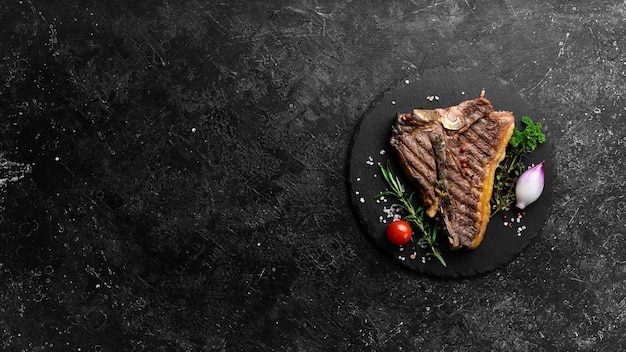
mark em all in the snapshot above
pixel 370 146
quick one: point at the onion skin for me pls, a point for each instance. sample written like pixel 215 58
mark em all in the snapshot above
pixel 529 186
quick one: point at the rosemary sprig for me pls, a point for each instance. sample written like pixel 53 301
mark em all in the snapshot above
pixel 415 215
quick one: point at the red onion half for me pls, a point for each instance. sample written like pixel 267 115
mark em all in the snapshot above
pixel 529 186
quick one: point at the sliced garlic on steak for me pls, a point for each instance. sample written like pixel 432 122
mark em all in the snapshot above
pixel 452 120
pixel 425 115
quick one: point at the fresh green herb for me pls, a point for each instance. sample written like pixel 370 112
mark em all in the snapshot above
pixel 441 183
pixel 521 144
pixel 414 215
pixel 528 139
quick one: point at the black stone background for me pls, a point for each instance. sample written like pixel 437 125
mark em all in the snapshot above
pixel 174 176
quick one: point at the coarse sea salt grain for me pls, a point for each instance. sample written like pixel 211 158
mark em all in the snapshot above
pixel 382 152
pixel 362 200
pixel 392 213
pixel 389 211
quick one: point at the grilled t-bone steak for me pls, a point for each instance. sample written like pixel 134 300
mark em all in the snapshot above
pixel 451 156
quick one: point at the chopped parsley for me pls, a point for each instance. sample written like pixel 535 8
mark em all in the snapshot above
pixel 526 141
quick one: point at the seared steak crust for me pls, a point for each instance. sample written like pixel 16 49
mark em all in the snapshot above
pixel 451 156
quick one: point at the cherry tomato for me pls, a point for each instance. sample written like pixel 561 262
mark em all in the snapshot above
pixel 399 232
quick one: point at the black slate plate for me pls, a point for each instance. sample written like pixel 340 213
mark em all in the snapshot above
pixel 370 146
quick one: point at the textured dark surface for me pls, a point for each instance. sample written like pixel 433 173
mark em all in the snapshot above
pixel 188 185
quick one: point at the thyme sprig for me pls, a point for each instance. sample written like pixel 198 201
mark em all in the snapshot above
pixel 414 215
pixel 441 183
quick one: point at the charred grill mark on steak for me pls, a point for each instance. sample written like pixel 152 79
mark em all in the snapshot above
pixel 431 145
